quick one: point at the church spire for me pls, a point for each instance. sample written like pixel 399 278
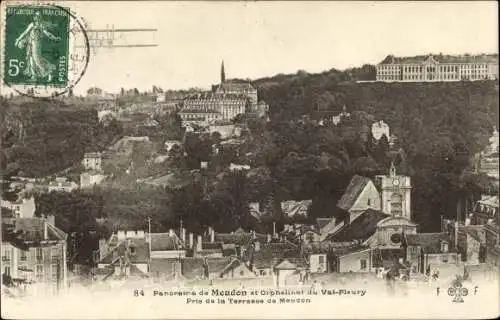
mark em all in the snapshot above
pixel 222 73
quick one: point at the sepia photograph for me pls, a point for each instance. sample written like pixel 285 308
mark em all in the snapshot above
pixel 249 160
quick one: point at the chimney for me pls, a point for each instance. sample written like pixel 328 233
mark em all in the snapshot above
pixel 183 235
pixel 191 240
pixel 51 219
pixel 212 235
pixel 268 238
pixel 171 232
pixel 257 246
pixel 456 234
pixel 199 243
pixel 45 231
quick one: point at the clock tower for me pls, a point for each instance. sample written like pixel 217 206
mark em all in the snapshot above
pixel 395 191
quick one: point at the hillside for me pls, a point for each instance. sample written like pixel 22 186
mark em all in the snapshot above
pixel 52 136
pixel 440 126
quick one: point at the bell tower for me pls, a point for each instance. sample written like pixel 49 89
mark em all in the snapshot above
pixel 395 193
pixel 222 73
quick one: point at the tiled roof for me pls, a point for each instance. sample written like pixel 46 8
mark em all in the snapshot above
pixel 484 58
pixel 321 222
pixel 139 247
pixel 217 265
pixel 32 230
pixel 164 242
pixel 211 246
pixel 352 192
pixel 291 208
pixel 360 229
pixel 269 254
pixel 491 201
pixel 196 110
pixel 238 238
pixel 339 252
pixel 193 268
pixel 286 265
pixel 233 264
pixel 164 266
pixel 429 242
pixel 236 86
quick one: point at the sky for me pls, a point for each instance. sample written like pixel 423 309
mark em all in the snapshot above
pixel 259 39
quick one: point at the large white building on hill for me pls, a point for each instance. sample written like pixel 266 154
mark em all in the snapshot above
pixel 438 68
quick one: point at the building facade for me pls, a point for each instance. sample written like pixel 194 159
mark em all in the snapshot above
pixel 438 68
pixel 395 193
pixel 35 255
pixel 92 161
pixel 208 108
pixel 227 100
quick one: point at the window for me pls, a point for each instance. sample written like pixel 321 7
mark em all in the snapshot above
pixel 39 271
pixel 24 255
pixel 363 264
pixel 54 272
pixel 369 202
pixel 444 258
pixel 54 254
pixel 444 246
pixel 6 255
pixel 132 251
pixel 321 259
pixel 242 273
pixel 262 272
pixel 39 254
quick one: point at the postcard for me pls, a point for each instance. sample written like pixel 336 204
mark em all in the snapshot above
pixel 249 160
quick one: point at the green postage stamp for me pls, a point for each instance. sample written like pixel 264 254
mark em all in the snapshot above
pixel 36 47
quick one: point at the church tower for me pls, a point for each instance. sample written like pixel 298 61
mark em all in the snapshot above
pixel 222 73
pixel 395 193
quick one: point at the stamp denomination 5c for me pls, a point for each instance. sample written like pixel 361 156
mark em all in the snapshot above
pixel 36 46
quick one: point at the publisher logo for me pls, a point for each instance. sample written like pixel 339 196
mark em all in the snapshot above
pixel 457 291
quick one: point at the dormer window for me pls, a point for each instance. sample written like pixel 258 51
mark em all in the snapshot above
pixel 133 251
pixel 444 246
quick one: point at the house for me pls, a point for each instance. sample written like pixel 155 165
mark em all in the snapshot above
pixel 236 269
pixel 360 230
pixel 361 194
pixel 262 257
pixel 485 210
pixel 62 185
pixel 34 254
pixel 23 207
pixel 286 273
pixel 291 208
pixel 92 161
pixel 353 259
pixel 166 245
pixel 318 263
pixel 169 144
pixel 379 129
pixel 471 243
pixel 238 167
pixel 126 253
pixel 429 250
pixel 90 179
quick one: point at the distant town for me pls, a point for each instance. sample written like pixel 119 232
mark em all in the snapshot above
pixel 282 182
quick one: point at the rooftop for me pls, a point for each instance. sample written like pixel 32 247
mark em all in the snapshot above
pixel 361 228
pixel 352 192
pixel 429 242
pixel 482 58
pixel 32 230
